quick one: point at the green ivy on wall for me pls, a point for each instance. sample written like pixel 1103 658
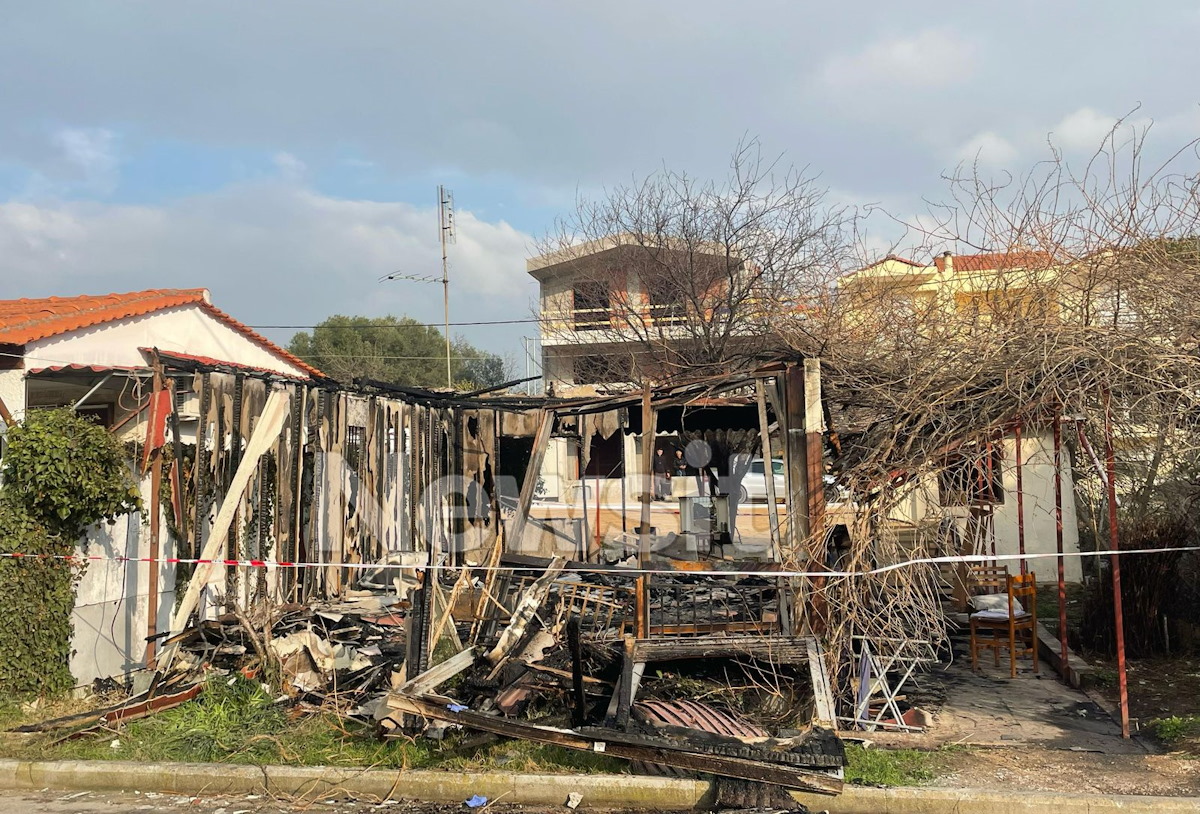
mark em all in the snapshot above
pixel 62 473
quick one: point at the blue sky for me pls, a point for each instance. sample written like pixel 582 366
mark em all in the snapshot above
pixel 285 153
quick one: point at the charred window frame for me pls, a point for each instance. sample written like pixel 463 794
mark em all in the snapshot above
pixel 665 302
pixel 356 438
pixel 590 305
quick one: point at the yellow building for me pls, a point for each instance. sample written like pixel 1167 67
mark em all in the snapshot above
pixel 1018 285
pixel 952 294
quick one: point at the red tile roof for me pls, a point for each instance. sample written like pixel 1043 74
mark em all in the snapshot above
pixel 997 261
pixel 78 368
pixel 174 355
pixel 28 320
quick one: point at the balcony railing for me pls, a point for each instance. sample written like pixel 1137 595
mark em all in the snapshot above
pixel 591 319
pixel 668 314
pixel 596 319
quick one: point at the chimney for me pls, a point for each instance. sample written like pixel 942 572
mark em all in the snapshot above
pixel 948 262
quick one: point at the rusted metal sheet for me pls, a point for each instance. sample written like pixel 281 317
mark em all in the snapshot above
pixel 695 715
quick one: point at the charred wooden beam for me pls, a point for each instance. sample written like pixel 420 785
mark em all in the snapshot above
pixel 579 705
pixel 776 649
pixel 767 767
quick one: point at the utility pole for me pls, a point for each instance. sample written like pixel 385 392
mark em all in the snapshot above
pixel 446 234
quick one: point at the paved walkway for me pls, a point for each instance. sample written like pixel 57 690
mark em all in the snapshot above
pixel 991 709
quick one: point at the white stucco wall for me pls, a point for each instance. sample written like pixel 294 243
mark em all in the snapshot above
pixel 12 390
pixel 1037 476
pixel 111 608
pixel 187 329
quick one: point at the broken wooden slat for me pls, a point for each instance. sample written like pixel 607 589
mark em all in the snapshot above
pixel 565 674
pixel 579 701
pixel 533 598
pixel 631 679
pixel 268 427
pixel 136 707
pixel 649 487
pixel 439 674
pixel 824 711
pixel 775 649
pixel 6 416
pixel 764 433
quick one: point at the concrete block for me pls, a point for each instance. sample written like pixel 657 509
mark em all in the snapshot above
pixel 599 791
pixel 1079 674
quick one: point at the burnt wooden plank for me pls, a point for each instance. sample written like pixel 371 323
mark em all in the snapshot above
pixel 630 747
pixel 531 600
pixel 579 706
pixel 824 711
pixel 776 649
pixel 429 680
pixel 626 690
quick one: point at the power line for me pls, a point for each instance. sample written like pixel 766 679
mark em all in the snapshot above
pixel 373 356
pixel 405 325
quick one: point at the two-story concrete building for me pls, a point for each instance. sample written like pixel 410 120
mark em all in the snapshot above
pixel 622 311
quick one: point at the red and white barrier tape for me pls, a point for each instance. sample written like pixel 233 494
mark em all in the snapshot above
pixel 971 558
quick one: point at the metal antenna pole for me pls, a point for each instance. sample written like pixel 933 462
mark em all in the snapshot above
pixel 445 231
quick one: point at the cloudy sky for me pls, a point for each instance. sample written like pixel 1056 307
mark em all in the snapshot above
pixel 286 153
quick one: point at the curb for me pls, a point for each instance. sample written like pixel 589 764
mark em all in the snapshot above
pixel 599 791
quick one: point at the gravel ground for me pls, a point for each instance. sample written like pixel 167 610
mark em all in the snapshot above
pixel 88 802
pixel 1034 769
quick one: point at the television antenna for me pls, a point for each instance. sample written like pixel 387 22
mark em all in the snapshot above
pixel 446 236
pixel 446 233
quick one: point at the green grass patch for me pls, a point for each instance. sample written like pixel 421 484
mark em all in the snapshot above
pixel 237 721
pixel 1178 732
pixel 889 767
pixel 10 714
pixel 233 721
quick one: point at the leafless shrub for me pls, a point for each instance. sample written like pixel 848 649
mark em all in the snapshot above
pixel 682 277
pixel 1091 290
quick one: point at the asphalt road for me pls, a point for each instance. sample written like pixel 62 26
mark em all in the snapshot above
pixel 88 802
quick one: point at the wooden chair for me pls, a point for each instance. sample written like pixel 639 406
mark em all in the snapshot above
pixel 1003 628
pixel 987 579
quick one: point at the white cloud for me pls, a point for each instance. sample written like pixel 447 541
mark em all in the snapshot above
pixel 1077 134
pixel 932 58
pixel 272 253
pixel 78 160
pixel 91 150
pixel 988 148
pixel 1084 129
pixel 290 167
